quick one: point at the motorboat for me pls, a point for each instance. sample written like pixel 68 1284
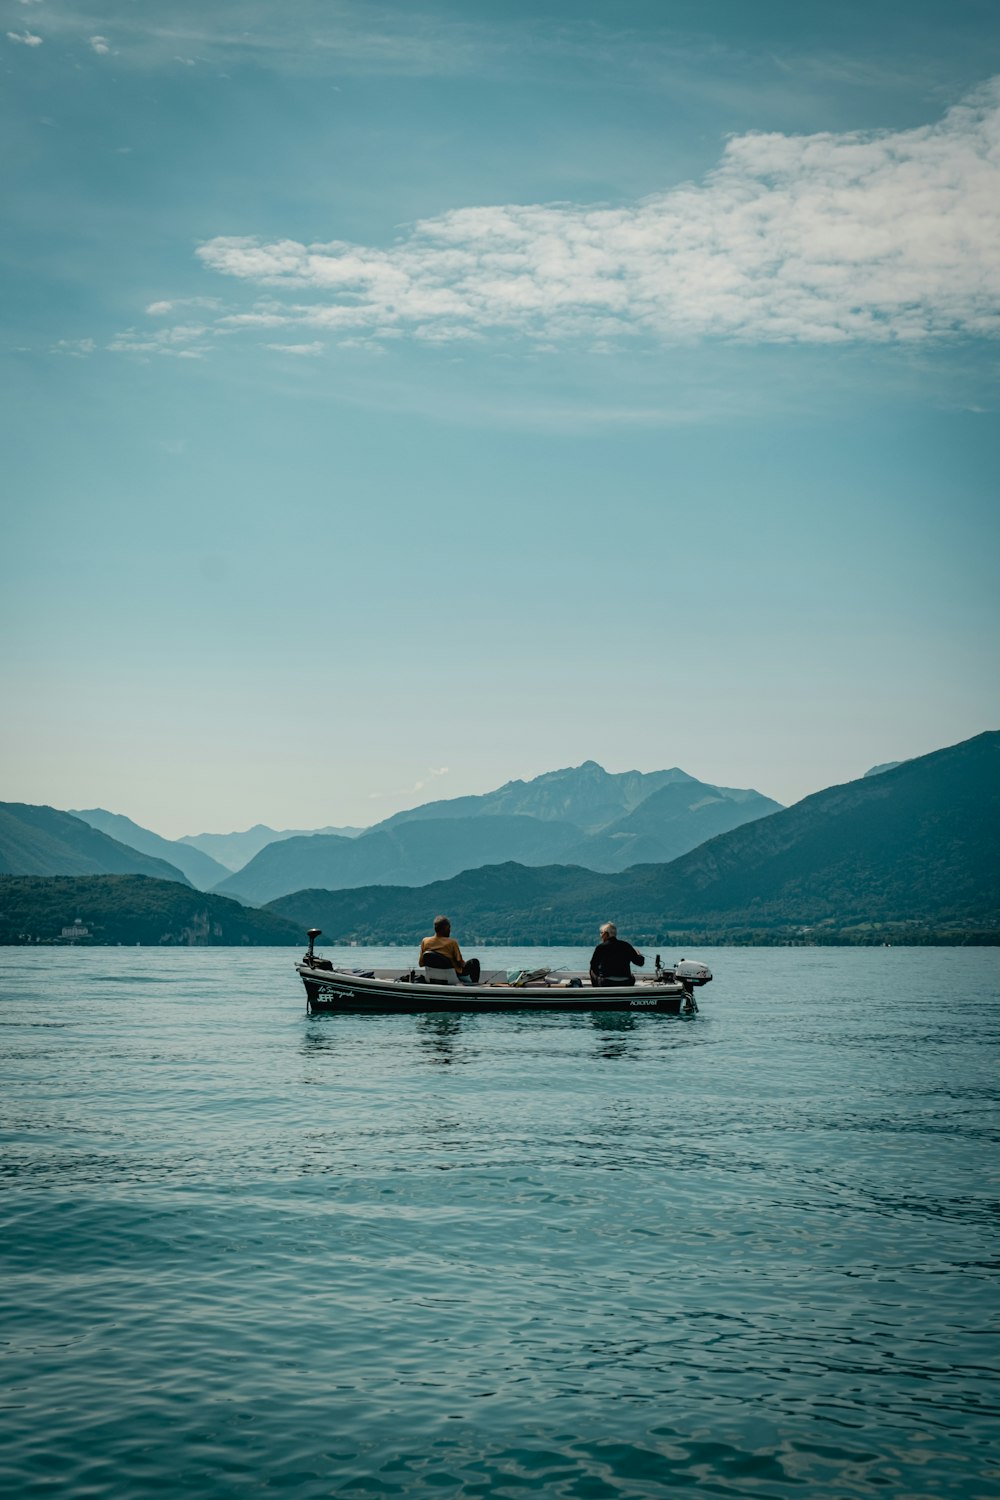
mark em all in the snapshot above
pixel 330 988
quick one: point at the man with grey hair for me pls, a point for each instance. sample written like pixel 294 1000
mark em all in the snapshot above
pixel 612 958
pixel 442 952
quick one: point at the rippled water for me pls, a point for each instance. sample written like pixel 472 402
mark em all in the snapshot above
pixel 745 1253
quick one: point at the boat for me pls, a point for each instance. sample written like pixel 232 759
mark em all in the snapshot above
pixel 332 989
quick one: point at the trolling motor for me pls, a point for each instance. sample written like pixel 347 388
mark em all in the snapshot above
pixel 309 956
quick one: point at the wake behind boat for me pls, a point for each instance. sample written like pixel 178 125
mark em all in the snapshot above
pixel 669 991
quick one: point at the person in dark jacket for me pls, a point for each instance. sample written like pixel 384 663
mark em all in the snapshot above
pixel 612 958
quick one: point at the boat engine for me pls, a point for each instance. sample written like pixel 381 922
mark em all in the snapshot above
pixel 688 970
pixel 309 957
pixel 692 972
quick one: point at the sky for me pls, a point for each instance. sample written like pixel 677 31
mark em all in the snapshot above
pixel 404 399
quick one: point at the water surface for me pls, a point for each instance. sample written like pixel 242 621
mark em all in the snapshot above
pixel 747 1253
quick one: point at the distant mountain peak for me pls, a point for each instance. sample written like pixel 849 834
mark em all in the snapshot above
pixel 888 765
pixel 914 857
pixel 580 815
pixel 43 841
pixel 197 867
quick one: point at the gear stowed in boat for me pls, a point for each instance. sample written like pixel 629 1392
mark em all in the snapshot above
pixel 328 988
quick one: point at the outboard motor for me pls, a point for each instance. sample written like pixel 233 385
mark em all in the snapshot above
pixel 689 972
pixel 692 972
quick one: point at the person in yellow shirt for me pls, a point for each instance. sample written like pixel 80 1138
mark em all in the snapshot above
pixel 444 946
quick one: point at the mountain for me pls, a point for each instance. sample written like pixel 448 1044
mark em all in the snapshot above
pixel 584 815
pixel 887 765
pixel 507 903
pixel 198 867
pixel 44 841
pixel 585 795
pixel 130 909
pixel 910 853
pixel 677 817
pixel 407 854
pixel 234 850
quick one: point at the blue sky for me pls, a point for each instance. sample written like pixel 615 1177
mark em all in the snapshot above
pixel 401 400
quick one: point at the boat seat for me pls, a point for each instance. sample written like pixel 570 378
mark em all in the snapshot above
pixel 438 969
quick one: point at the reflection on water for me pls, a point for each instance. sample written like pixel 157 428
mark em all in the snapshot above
pixel 439 1035
pixel 249 1250
pixel 613 1037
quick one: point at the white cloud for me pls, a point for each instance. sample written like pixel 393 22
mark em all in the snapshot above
pixel 78 348
pixel 328 37
pixel 163 308
pixel 100 45
pixel 181 341
pixel 312 349
pixel 819 239
pixel 24 38
pixel 418 786
pixel 256 320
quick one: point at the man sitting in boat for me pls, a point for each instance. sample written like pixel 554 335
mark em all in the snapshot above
pixel 442 952
pixel 612 958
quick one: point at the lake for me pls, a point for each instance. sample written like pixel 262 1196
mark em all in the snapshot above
pixel 747 1253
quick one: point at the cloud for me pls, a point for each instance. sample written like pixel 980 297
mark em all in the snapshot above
pixel 182 341
pixel 24 38
pixel 879 236
pixel 418 786
pixel 161 309
pixel 78 348
pixel 100 45
pixel 313 349
pixel 261 318
pixel 330 37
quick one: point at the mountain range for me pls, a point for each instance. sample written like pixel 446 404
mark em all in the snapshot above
pixel 131 909
pixel 44 841
pixel 908 851
pixel 197 867
pixel 234 850
pixel 580 815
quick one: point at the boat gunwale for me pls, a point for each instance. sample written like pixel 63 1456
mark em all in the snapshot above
pixel 343 987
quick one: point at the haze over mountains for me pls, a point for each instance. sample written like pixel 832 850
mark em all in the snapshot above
pixel 234 850
pixel 913 848
pixel 585 795
pixel 909 852
pixel 581 815
pixel 202 871
pixel 44 841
